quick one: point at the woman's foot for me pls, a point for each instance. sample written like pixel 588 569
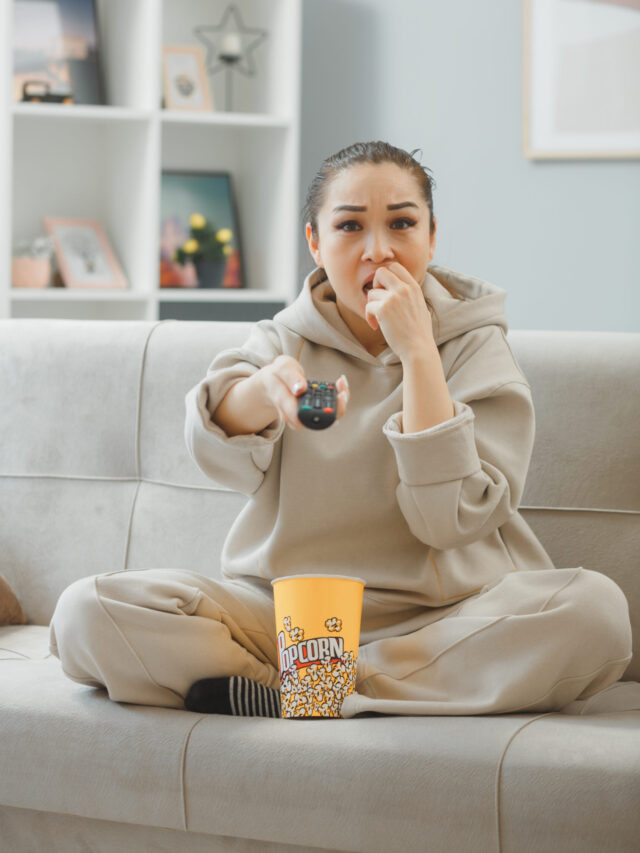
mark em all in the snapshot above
pixel 236 695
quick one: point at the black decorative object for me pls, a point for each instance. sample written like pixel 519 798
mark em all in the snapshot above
pixel 230 51
pixel 210 273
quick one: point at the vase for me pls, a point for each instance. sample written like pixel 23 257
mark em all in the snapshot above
pixel 210 273
pixel 30 272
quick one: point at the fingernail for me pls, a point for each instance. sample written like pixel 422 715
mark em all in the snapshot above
pixel 298 387
pixel 346 381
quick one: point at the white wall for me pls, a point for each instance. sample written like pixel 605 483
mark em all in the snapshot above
pixel 561 237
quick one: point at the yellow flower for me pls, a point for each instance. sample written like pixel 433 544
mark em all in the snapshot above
pixel 191 246
pixel 224 235
pixel 227 250
pixel 197 220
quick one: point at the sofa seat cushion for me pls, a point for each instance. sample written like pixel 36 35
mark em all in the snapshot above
pixel 368 783
pixel 68 748
pixel 24 642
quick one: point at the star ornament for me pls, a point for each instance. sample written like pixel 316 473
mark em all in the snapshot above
pixel 238 27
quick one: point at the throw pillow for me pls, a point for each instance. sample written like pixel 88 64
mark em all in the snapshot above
pixel 10 611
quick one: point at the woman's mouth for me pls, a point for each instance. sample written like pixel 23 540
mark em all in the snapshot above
pixel 368 284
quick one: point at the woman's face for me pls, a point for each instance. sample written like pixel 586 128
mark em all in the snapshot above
pixel 353 244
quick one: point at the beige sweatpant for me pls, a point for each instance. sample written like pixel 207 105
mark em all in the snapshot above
pixel 531 640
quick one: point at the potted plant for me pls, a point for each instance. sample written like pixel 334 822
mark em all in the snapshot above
pixel 207 248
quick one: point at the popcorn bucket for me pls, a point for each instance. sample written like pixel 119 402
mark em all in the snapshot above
pixel 318 633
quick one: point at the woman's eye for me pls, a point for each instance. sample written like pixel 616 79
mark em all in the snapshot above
pixel 400 224
pixel 403 223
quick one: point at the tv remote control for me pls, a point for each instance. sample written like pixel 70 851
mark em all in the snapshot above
pixel 318 405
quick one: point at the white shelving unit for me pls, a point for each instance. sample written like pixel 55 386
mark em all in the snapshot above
pixel 106 162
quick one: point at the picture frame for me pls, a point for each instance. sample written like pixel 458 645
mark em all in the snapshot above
pixel 187 196
pixel 581 79
pixel 184 76
pixel 83 253
pixel 56 54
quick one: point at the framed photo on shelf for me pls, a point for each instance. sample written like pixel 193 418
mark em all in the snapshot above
pixel 185 81
pixel 581 79
pixel 83 253
pixel 55 52
pixel 200 243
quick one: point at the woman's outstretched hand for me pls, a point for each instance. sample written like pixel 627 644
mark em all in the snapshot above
pixel 396 304
pixel 283 381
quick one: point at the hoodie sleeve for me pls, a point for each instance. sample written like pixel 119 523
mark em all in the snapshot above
pixel 463 478
pixel 237 462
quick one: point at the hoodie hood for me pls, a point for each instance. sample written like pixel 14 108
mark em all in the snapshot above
pixel 461 303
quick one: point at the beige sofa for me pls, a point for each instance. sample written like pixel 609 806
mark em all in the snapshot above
pixel 95 477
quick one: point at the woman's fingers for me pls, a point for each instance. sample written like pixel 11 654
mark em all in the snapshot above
pixel 342 387
pixel 285 383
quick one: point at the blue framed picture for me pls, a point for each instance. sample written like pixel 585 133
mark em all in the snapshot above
pixel 200 242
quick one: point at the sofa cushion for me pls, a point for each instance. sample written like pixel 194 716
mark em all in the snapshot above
pixel 365 783
pixel 26 829
pixel 97 477
pixel 11 613
pixel 117 762
pixel 24 642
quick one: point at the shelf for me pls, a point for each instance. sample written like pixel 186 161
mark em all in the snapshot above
pixel 223 118
pixel 229 294
pixel 79 112
pixel 184 294
pixel 71 294
pixel 75 112
pixel 106 161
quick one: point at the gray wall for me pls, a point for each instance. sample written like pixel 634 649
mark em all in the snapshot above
pixel 560 236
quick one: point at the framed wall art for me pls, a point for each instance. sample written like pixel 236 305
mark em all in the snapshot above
pixel 84 256
pixel 55 52
pixel 200 243
pixel 581 78
pixel 185 81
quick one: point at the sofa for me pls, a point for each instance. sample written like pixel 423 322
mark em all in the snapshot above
pixel 95 477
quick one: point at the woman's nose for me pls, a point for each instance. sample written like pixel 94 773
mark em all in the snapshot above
pixel 377 247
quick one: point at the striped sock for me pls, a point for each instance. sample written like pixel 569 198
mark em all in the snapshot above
pixel 236 695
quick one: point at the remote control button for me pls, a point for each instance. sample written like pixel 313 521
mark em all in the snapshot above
pixel 319 399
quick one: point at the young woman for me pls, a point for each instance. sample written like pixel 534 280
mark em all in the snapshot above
pixel 415 488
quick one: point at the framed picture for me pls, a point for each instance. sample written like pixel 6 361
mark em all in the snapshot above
pixel 185 81
pixel 55 52
pixel 83 253
pixel 581 78
pixel 200 243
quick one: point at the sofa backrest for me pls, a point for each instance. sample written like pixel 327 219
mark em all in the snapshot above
pixel 95 476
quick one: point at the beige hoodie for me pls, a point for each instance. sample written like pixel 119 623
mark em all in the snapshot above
pixel 426 518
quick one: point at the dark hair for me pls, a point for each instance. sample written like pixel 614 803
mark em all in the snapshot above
pixel 364 152
pixel 369 152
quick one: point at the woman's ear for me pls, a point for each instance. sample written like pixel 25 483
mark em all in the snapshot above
pixel 433 240
pixel 313 245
